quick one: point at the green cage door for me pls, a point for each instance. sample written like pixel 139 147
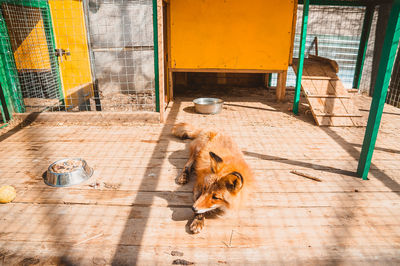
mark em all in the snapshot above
pixel 29 57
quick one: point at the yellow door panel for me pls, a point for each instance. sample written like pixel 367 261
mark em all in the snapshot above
pixel 231 34
pixel 70 35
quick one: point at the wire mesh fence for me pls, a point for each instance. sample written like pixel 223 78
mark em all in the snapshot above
pixel 336 31
pixel 79 55
pixel 393 96
pixel 121 35
pixel 33 52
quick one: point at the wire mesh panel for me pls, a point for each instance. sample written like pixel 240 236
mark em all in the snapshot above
pixel 79 55
pixel 393 96
pixel 121 35
pixel 336 31
pixel 32 51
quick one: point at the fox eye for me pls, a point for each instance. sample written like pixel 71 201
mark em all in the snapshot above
pixel 215 197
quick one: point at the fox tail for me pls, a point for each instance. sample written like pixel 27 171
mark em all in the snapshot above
pixel 185 131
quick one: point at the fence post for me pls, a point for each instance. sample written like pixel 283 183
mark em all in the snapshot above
pixel 155 39
pixel 301 57
pixel 362 49
pixel 381 86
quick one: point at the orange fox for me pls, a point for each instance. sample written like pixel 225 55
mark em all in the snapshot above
pixel 222 175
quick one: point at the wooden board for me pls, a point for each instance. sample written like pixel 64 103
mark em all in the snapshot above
pixel 70 34
pixel 234 34
pixel 330 103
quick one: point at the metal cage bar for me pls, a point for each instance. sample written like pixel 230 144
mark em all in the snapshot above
pixel 388 55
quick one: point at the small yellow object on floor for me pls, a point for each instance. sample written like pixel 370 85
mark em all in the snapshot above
pixel 7 194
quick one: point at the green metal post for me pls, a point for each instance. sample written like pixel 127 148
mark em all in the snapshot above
pixel 301 57
pixel 269 79
pixel 156 78
pixel 8 72
pixel 3 115
pixel 382 82
pixel 362 49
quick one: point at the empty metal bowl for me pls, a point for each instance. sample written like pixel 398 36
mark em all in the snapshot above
pixel 66 179
pixel 208 105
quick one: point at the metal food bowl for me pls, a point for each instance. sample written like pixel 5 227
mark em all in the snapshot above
pixel 66 179
pixel 208 105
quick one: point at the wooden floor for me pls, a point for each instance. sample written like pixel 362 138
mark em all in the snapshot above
pixel 136 214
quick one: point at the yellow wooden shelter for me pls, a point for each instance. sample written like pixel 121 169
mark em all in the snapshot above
pixel 254 36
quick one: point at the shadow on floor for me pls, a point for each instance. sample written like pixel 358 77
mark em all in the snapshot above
pixel 125 253
pixel 26 122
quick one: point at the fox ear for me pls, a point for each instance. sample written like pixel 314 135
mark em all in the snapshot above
pixel 234 182
pixel 215 162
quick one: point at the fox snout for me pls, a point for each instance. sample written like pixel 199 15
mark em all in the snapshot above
pixel 204 204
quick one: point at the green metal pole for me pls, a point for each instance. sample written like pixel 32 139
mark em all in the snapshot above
pixel 362 49
pixel 301 57
pixel 269 79
pixel 3 115
pixel 382 82
pixel 8 73
pixel 156 77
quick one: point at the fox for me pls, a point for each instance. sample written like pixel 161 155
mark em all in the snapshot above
pixel 223 178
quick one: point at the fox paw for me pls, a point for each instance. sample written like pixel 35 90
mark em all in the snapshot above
pixel 197 225
pixel 183 178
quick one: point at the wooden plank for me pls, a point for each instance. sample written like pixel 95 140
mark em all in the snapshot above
pixel 164 180
pixel 185 199
pixel 72 227
pixel 328 96
pixel 323 87
pixel 225 70
pixel 337 85
pixel 105 254
pixel 337 115
pixel 331 65
pixel 319 78
pixel 281 86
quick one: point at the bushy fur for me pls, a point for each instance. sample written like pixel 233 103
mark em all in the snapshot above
pixel 223 178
